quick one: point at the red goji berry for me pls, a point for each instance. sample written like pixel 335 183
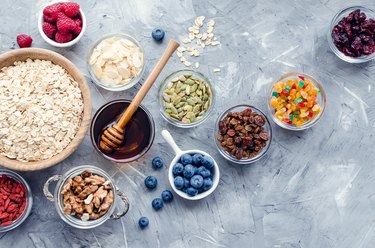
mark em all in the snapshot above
pixel 6 223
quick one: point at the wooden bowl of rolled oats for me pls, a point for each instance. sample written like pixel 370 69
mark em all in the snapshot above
pixel 45 109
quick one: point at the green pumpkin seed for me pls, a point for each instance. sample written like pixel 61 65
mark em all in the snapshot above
pixel 174 79
pixel 189 82
pixel 194 88
pixel 166 97
pixel 187 90
pixel 174 116
pixel 182 78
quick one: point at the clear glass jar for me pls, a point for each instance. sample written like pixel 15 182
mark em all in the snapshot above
pixel 132 82
pixel 267 129
pixel 164 84
pixel 57 198
pixel 29 200
pixel 321 99
pixel 336 19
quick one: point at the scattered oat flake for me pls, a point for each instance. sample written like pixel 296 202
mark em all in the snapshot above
pixel 216 70
pixel 187 63
pixel 196 65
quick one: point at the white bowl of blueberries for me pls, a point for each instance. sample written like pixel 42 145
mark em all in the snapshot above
pixel 193 174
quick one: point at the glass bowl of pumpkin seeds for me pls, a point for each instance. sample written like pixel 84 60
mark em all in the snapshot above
pixel 186 98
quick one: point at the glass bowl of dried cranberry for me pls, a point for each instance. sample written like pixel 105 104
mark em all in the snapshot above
pixel 351 35
pixel 243 134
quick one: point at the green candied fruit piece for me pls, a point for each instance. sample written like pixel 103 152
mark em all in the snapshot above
pixel 287 88
pixel 298 100
pixel 275 94
pixel 301 84
pixel 291 117
pixel 296 113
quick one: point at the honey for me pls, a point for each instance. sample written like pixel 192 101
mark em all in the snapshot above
pixel 139 132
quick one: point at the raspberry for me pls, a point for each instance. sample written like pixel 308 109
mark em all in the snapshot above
pixel 50 12
pixel 24 40
pixel 71 9
pixel 65 24
pixel 49 29
pixel 77 30
pixel 78 22
pixel 63 38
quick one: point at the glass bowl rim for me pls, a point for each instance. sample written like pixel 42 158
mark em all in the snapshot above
pixel 307 124
pixel 134 80
pixel 334 49
pixel 152 128
pixel 225 153
pixel 162 108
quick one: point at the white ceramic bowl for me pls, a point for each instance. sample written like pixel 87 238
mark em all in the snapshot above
pixel 216 173
pixel 52 42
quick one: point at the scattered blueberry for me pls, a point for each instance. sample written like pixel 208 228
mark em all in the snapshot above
pixel 179 182
pixel 207 184
pixel 191 191
pixel 178 169
pixel 186 159
pixel 143 222
pixel 157 163
pixel 207 162
pixel 197 159
pixel 167 196
pixel 151 182
pixel 157 203
pixel 186 183
pixel 196 181
pixel 189 171
pixel 203 172
pixel 158 34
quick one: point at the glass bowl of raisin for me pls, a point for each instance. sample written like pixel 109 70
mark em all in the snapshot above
pixel 351 35
pixel 243 134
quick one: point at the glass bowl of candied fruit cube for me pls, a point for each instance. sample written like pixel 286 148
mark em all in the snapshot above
pixel 351 35
pixel 296 101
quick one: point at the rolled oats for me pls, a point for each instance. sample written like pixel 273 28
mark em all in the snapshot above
pixel 41 109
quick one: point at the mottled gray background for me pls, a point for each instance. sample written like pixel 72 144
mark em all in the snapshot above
pixel 313 189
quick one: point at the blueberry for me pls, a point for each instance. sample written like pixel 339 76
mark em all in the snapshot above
pixel 143 222
pixel 157 203
pixel 167 196
pixel 196 181
pixel 207 162
pixel 207 184
pixel 151 182
pixel 179 182
pixel 191 191
pixel 189 171
pixel 158 34
pixel 203 172
pixel 186 183
pixel 157 163
pixel 177 169
pixel 186 159
pixel 197 159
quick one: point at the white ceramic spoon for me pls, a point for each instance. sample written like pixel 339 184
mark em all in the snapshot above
pixel 215 171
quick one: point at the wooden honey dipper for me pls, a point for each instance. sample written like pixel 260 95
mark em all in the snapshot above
pixel 113 136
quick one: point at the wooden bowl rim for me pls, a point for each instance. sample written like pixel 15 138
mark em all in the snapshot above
pixel 7 59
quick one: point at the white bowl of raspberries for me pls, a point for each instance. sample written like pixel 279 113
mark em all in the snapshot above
pixel 62 23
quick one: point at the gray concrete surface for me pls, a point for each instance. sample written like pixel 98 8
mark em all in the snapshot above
pixel 313 189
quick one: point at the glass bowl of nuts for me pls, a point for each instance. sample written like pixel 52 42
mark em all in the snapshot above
pixel 15 200
pixel 116 62
pixel 186 98
pixel 296 101
pixel 243 134
pixel 86 196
